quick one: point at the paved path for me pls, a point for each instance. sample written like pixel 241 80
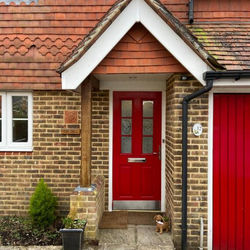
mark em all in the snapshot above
pixel 139 237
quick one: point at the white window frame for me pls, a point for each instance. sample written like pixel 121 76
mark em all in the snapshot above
pixel 7 133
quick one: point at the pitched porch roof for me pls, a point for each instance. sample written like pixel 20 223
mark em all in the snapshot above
pixel 173 35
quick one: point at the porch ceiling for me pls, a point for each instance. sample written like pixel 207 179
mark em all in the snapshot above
pixel 132 77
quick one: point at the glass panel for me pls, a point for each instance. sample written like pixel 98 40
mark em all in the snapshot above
pixel 20 131
pixel 126 145
pixel 148 107
pixel 126 108
pixel 20 106
pixel 126 126
pixel 147 126
pixel 147 145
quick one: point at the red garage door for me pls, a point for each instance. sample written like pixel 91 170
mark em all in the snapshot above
pixel 231 170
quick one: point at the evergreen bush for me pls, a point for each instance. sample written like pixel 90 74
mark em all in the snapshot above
pixel 42 206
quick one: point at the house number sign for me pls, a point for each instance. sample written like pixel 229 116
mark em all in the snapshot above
pixel 197 129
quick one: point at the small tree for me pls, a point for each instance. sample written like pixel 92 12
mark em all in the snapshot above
pixel 42 206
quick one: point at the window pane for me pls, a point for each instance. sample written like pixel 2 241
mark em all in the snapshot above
pixel 0 130
pixel 126 108
pixel 126 126
pixel 147 145
pixel 20 131
pixel 148 107
pixel 20 106
pixel 147 126
pixel 126 145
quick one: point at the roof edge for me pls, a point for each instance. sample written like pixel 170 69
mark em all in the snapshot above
pixel 184 33
pixel 94 34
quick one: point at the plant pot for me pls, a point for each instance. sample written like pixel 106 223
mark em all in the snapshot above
pixel 72 238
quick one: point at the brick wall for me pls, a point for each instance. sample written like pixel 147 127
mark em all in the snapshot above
pixel 171 130
pixel 90 205
pixel 197 160
pixel 55 157
pixel 100 137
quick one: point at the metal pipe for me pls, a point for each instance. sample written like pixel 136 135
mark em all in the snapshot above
pixel 191 11
pixel 235 74
pixel 186 100
pixel 201 233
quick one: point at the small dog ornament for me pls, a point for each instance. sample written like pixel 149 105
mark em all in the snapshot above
pixel 161 224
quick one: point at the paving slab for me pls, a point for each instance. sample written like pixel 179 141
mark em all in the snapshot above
pixel 139 237
pixel 117 236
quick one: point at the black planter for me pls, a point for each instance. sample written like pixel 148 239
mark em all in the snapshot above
pixel 72 238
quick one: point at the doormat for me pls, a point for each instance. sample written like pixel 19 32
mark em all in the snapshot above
pixel 114 220
pixel 141 218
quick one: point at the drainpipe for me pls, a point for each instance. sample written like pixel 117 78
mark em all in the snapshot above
pixel 201 233
pixel 186 100
pixel 191 11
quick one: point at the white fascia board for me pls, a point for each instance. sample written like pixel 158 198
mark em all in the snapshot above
pixel 172 42
pixel 136 11
pixel 78 72
pixel 231 82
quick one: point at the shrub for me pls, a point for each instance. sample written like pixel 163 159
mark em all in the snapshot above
pixel 42 206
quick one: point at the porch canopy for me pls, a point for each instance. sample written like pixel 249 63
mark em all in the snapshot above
pixel 153 15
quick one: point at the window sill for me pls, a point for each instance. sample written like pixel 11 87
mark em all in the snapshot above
pixel 16 149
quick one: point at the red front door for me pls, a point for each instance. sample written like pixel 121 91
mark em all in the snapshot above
pixel 136 149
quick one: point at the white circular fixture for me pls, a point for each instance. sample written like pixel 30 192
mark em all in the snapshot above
pixel 197 129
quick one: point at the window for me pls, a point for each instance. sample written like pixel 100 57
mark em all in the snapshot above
pixel 15 121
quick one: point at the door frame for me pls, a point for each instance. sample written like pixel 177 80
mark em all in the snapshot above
pixel 227 89
pixel 136 85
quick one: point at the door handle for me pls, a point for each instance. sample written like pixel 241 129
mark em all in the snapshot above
pixel 159 153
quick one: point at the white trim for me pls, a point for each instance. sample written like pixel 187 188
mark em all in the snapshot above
pixel 7 144
pixel 118 87
pixel 172 42
pixel 136 11
pixel 163 153
pixel 110 194
pixel 77 73
pixel 210 169
pixel 4 118
pixel 231 83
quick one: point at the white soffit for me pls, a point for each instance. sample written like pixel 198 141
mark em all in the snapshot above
pixel 136 11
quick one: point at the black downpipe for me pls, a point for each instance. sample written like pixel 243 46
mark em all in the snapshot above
pixel 191 11
pixel 186 100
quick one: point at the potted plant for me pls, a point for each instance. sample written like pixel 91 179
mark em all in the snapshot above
pixel 73 232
